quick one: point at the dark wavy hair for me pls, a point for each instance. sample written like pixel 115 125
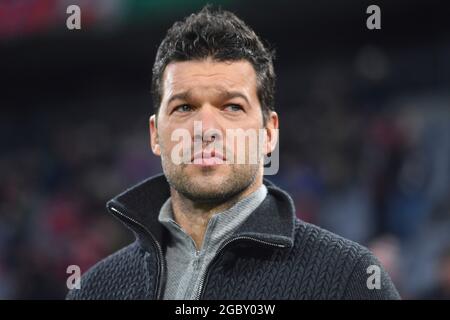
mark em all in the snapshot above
pixel 222 36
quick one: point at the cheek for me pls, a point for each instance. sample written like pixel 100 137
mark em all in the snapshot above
pixel 166 143
pixel 164 138
pixel 175 144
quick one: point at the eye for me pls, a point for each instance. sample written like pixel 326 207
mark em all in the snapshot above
pixel 183 108
pixel 233 107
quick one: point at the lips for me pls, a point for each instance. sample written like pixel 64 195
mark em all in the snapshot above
pixel 206 158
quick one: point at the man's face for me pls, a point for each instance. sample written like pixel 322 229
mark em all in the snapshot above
pixel 209 99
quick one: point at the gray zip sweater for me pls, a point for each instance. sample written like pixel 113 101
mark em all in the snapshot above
pixel 271 255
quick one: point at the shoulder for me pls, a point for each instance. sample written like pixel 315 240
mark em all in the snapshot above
pixel 349 269
pixel 310 238
pixel 112 277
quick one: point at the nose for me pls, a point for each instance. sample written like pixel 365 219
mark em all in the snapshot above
pixel 211 129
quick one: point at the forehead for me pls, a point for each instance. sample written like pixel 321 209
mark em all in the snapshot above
pixel 205 74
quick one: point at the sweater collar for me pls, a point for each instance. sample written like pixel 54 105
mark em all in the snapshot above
pixel 138 208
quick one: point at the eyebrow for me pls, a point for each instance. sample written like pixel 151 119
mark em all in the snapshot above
pixel 228 95
pixel 225 95
pixel 179 96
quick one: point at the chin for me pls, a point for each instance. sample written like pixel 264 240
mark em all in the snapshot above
pixel 210 179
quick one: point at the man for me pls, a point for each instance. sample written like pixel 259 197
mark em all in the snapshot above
pixel 211 227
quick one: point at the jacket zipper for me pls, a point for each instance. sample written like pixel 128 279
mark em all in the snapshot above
pixel 204 277
pixel 161 266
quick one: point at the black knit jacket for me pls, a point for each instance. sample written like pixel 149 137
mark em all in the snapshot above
pixel 273 255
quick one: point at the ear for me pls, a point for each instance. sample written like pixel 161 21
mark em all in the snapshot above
pixel 154 143
pixel 271 132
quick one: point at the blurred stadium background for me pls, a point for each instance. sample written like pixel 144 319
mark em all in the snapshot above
pixel 365 129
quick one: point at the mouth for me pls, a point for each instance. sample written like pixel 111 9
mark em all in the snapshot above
pixel 207 158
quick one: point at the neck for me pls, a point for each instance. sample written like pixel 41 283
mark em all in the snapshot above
pixel 193 216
